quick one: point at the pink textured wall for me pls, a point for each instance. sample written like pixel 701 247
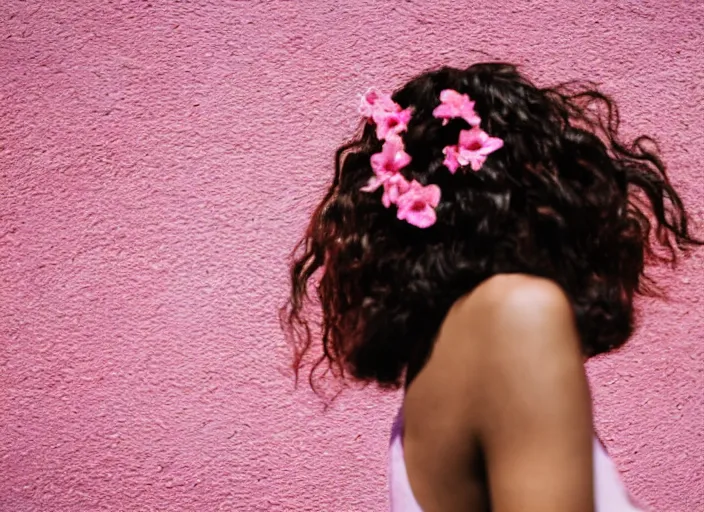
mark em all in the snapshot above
pixel 157 161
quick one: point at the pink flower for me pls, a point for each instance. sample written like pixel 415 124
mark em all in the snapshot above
pixel 391 123
pixel 417 205
pixel 394 188
pixel 451 158
pixel 373 100
pixel 473 148
pixel 386 114
pixel 387 164
pixel 392 158
pixel 453 105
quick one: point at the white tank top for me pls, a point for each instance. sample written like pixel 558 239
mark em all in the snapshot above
pixel 610 495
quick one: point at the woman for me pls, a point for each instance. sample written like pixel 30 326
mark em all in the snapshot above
pixel 481 239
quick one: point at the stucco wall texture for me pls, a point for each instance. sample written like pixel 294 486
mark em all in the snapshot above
pixel 157 163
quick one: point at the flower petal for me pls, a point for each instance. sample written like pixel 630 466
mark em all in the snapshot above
pixel 474 136
pixel 386 198
pixel 444 111
pixel 469 115
pixel 401 160
pixel 404 116
pixel 451 97
pixel 451 161
pixel 394 188
pixel 432 194
pixel 491 145
pixel 391 123
pixel 477 161
pixel 373 184
pixel 367 101
pixel 423 218
pixel 378 161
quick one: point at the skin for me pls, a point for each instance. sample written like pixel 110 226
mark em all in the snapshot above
pixel 499 418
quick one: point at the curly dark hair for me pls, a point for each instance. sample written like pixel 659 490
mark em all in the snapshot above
pixel 564 199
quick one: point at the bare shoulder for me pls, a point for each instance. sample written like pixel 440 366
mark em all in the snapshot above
pixel 515 329
pixel 512 313
pixel 506 373
pixel 515 299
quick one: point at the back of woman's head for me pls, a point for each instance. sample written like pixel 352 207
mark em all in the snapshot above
pixel 563 198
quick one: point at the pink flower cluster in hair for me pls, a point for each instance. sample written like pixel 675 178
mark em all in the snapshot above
pixel 474 145
pixel 415 203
